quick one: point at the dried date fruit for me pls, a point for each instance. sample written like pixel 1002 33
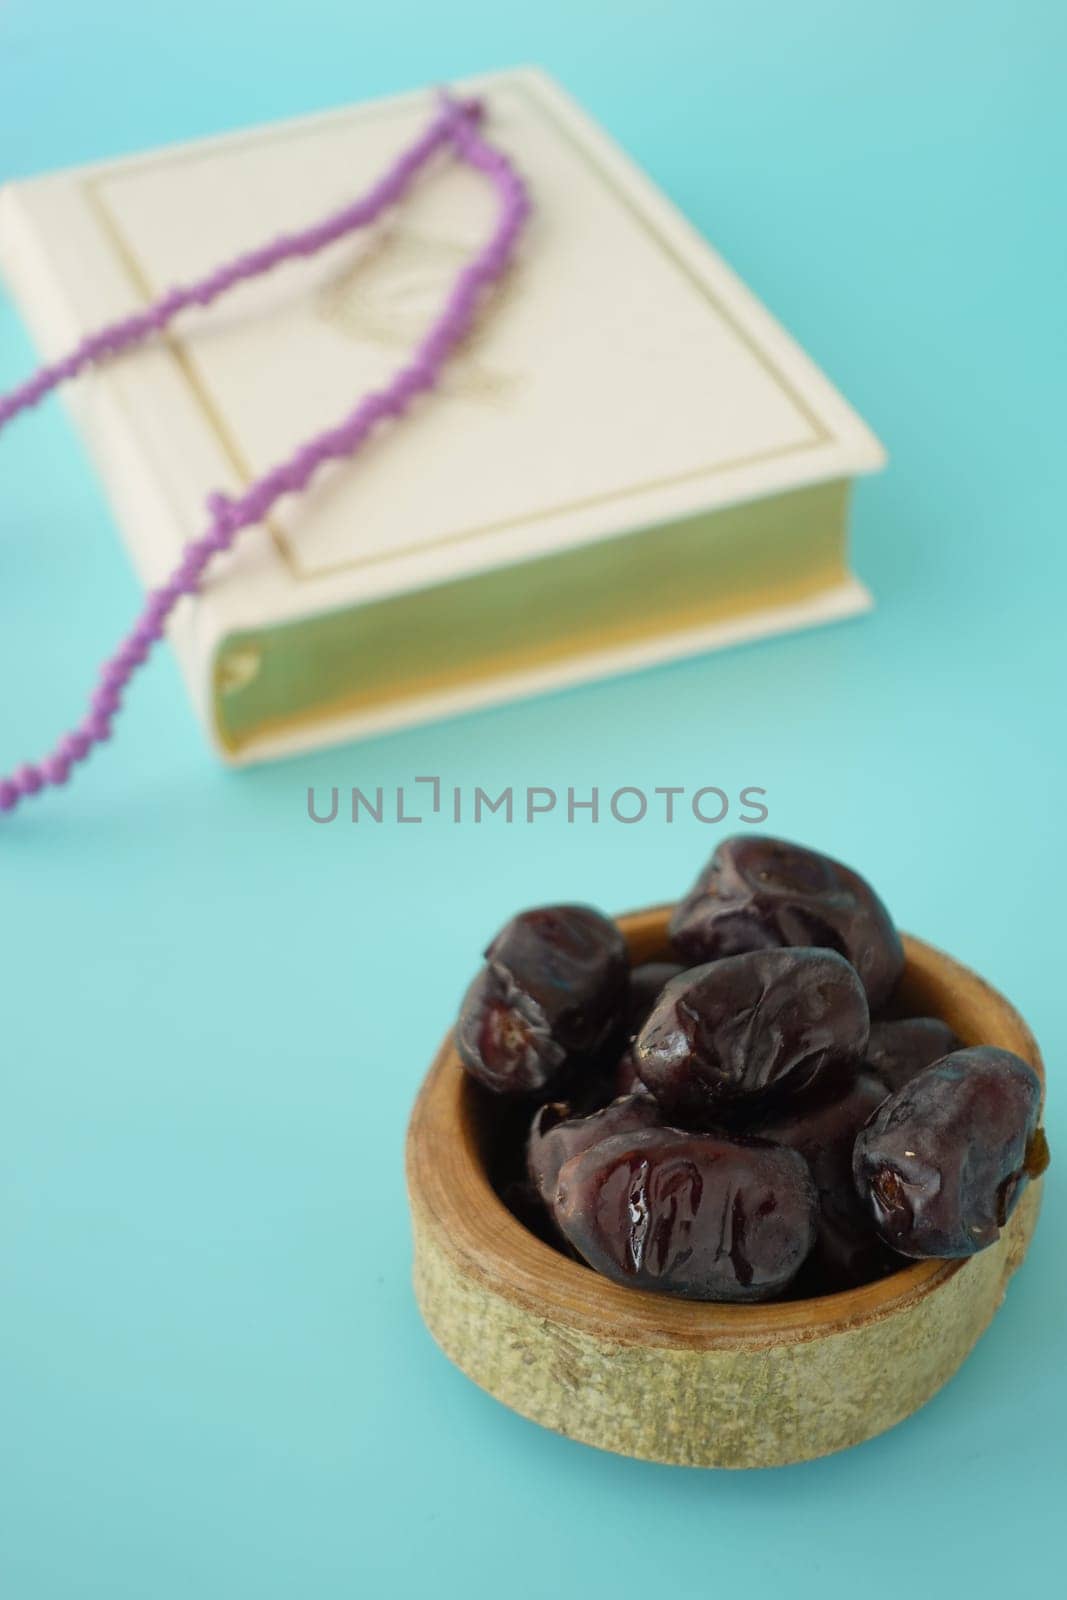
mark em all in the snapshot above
pixel 556 1137
pixel 590 1086
pixel 739 1028
pixel 823 1130
pixel 897 1050
pixel 553 988
pixel 944 1161
pixel 689 1214
pixel 758 893
pixel 619 1076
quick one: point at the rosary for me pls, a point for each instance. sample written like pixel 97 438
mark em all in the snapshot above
pixel 456 128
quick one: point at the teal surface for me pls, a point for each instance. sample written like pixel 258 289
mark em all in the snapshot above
pixel 213 1381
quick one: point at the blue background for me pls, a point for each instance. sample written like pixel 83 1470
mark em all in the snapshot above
pixel 213 1380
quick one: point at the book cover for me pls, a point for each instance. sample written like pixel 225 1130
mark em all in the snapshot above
pixel 628 461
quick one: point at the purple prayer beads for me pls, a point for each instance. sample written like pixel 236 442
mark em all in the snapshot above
pixel 455 126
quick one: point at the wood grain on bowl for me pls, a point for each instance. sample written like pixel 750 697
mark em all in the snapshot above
pixel 681 1381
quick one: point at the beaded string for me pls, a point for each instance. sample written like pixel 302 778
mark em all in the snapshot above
pixel 456 125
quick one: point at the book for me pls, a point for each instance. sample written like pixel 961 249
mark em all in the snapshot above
pixel 628 461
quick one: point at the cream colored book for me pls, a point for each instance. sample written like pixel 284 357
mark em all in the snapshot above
pixel 629 460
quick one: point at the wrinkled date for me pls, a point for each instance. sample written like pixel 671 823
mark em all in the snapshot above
pixel 552 989
pixel 689 1214
pixel 944 1161
pixel 896 1051
pixel 647 983
pixel 556 1138
pixel 824 1132
pixel 740 1027
pixel 758 893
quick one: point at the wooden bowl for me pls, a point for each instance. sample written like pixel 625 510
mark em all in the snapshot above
pixel 682 1381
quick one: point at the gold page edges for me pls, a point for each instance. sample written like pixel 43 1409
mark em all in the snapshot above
pixel 711 568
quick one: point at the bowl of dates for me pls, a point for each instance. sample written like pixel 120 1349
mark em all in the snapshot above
pixel 734 1182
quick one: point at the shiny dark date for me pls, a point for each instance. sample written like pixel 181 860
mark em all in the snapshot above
pixel 740 1028
pixel 896 1051
pixel 944 1161
pixel 556 1137
pixel 823 1130
pixel 552 990
pixel 689 1214
pixel 758 893
pixel 647 983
